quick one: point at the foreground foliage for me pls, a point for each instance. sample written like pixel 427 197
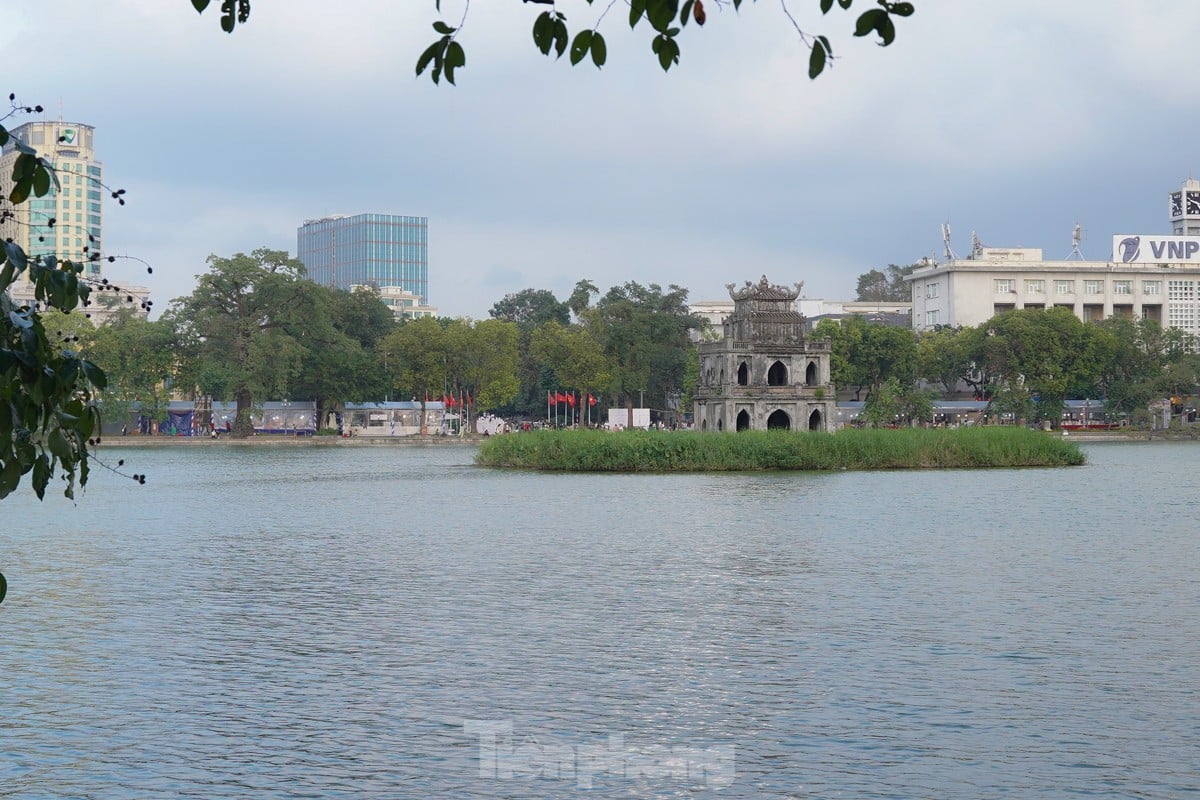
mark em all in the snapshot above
pixel 666 20
pixel 689 451
pixel 47 413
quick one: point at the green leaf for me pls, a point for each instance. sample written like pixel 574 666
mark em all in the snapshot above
pixel 685 11
pixel 668 52
pixel 428 56
pixel 826 5
pixel 637 9
pixel 200 5
pixel 20 191
pixel 867 21
pixel 443 28
pixel 561 38
pixel 876 20
pixel 903 9
pixel 599 50
pixel 543 32
pixel 3 587
pixel 661 13
pixel 60 447
pixel 887 31
pixel 580 46
pixel 10 477
pixel 68 372
pixel 816 60
pixel 15 256
pixel 94 374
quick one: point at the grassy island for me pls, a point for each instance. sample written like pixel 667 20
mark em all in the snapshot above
pixel 690 451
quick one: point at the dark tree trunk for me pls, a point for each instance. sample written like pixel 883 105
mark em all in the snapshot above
pixel 243 427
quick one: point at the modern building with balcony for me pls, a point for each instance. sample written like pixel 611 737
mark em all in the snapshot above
pixel 404 305
pixel 765 372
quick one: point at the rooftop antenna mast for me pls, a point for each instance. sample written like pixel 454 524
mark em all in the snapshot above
pixel 976 245
pixel 946 241
pixel 1076 238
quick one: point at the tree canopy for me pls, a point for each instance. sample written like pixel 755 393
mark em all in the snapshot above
pixel 877 286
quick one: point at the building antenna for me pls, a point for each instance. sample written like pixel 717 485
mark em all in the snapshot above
pixel 946 241
pixel 1076 238
pixel 976 246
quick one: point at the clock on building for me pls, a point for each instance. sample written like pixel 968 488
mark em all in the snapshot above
pixel 1176 204
pixel 1193 202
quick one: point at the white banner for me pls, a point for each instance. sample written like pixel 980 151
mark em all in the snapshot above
pixel 1152 249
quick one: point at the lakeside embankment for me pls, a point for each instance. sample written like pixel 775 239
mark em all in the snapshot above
pixel 269 440
pixel 273 440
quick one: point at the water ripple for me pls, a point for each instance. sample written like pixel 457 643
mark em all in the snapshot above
pixel 392 623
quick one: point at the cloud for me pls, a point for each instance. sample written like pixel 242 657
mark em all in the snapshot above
pixel 1016 119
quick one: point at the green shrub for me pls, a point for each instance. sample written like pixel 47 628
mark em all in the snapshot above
pixel 690 451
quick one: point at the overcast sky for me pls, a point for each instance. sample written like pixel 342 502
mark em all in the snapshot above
pixel 1016 120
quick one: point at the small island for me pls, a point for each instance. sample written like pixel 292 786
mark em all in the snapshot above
pixel 851 449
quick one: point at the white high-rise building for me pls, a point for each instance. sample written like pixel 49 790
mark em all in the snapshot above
pixel 67 222
pixel 69 218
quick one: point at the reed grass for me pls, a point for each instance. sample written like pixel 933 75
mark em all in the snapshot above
pixel 853 449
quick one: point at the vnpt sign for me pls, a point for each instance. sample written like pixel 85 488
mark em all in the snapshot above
pixel 1155 249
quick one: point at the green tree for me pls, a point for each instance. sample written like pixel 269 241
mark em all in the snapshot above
pixel 666 19
pixel 865 354
pixel 490 363
pixel 139 357
pixel 896 403
pixel 531 307
pixel 879 287
pixel 237 327
pixel 944 358
pixel 1033 357
pixel 418 360
pixel 573 355
pixel 528 309
pixel 339 337
pixel 644 332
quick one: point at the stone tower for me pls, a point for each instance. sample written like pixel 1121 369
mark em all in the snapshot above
pixel 765 374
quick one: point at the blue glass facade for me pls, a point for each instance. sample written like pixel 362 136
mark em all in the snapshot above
pixel 367 249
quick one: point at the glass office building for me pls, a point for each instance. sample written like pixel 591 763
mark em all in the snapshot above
pixel 367 250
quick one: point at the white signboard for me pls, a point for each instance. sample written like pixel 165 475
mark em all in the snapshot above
pixel 619 418
pixel 1152 249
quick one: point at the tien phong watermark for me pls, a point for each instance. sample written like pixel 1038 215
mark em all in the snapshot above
pixel 505 756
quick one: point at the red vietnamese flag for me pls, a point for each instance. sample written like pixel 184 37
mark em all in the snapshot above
pixel 551 398
pixel 591 400
pixel 469 399
pixel 571 399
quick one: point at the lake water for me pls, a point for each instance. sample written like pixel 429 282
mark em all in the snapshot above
pixel 396 623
